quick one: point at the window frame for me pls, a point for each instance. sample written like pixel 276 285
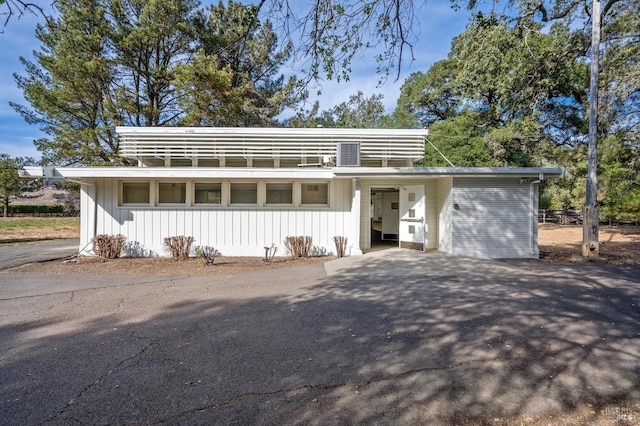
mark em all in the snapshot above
pixel 279 182
pixel 186 192
pixel 194 203
pixel 121 196
pixel 230 198
pixel 327 183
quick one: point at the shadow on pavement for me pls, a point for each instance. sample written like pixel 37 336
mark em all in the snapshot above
pixel 393 339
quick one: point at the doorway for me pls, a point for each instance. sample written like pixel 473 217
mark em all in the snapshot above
pixel 385 217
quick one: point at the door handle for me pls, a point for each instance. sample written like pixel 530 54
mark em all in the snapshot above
pixel 414 220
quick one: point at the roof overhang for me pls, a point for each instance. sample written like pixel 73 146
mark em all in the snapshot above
pixel 538 173
pixel 76 173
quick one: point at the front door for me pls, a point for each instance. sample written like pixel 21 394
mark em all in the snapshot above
pixel 412 208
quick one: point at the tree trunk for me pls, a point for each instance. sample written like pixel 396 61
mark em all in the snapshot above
pixel 591 220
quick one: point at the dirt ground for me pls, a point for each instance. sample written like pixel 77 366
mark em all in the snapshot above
pixel 563 243
pixel 558 243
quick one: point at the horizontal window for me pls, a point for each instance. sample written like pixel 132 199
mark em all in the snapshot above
pixel 279 193
pixel 314 193
pixel 135 192
pixel 172 193
pixel 208 193
pixel 244 193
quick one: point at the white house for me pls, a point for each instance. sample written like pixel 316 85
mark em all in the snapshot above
pixel 242 189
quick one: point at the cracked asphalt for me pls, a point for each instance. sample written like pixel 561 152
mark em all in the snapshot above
pixel 392 337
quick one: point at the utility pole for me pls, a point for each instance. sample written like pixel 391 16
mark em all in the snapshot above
pixel 591 220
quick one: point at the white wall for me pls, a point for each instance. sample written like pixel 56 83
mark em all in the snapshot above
pixel 494 219
pixel 234 231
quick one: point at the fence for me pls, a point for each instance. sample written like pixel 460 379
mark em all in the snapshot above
pixel 574 217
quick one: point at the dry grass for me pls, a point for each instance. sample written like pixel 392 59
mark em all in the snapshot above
pixel 38 228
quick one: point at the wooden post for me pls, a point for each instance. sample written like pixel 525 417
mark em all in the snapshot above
pixel 590 221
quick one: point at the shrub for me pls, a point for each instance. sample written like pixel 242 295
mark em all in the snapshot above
pixel 298 246
pixel 179 246
pixel 341 245
pixel 108 246
pixel 208 254
pixel 269 253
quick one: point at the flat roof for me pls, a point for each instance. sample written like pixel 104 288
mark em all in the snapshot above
pixel 284 173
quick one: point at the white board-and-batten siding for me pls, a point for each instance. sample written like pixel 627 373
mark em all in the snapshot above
pixel 232 230
pixel 494 218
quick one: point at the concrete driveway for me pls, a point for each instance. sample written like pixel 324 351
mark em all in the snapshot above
pixel 392 337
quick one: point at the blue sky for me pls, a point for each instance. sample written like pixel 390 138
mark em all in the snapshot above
pixel 438 25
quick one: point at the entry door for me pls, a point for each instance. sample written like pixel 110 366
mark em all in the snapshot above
pixel 412 217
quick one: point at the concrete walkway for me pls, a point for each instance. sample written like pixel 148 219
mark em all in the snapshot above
pixel 392 337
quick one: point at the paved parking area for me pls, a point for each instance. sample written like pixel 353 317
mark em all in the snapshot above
pixel 12 255
pixel 392 337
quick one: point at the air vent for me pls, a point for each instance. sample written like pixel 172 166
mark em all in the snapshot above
pixel 348 154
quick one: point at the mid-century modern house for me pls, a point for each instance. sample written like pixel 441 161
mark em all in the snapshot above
pixel 243 189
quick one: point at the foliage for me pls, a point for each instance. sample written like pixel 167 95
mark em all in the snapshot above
pixel 328 34
pixel 37 209
pixel 10 182
pixel 207 254
pixel 232 80
pixel 179 246
pixel 104 63
pixel 108 246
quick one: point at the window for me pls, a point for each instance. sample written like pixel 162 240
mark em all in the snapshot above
pixel 135 192
pixel 208 193
pixel 279 193
pixel 172 192
pixel 314 193
pixel 244 193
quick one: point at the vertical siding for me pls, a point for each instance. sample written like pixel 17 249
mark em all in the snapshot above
pixel 234 231
pixel 445 214
pixel 494 218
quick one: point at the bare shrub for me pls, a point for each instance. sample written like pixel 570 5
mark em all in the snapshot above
pixel 179 246
pixel 298 246
pixel 207 254
pixel 108 246
pixel 269 253
pixel 341 245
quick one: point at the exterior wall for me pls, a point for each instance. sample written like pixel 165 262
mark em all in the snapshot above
pixel 233 230
pixel 495 218
pixel 444 209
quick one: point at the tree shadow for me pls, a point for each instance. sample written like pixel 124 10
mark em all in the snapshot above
pixel 395 338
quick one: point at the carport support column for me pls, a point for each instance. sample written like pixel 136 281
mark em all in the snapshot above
pixel 355 218
pixel 88 208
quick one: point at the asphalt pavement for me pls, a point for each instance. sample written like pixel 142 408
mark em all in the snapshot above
pixel 391 337
pixel 12 255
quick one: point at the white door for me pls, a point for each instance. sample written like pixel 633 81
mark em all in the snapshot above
pixel 412 220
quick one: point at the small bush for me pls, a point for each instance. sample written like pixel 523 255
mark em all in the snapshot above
pixel 108 246
pixel 207 254
pixel 269 253
pixel 298 246
pixel 179 246
pixel 341 245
